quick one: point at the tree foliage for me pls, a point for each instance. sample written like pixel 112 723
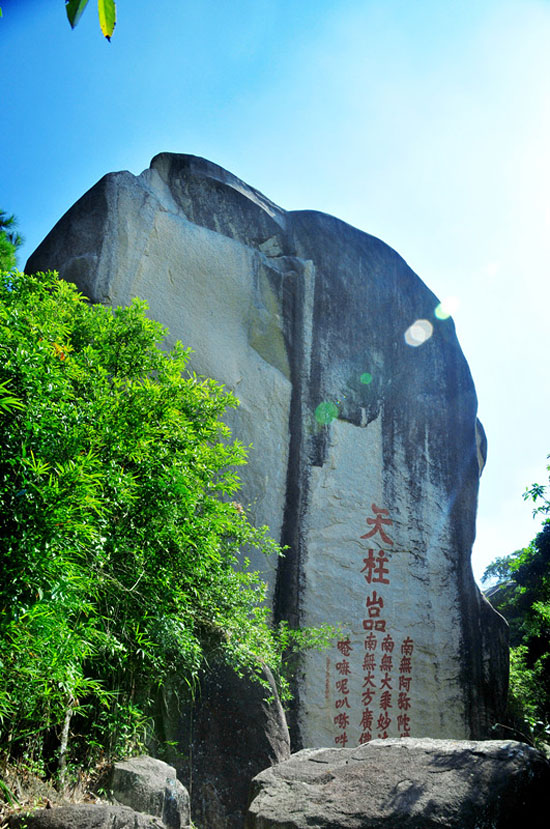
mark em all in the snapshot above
pixel 522 596
pixel 538 493
pixel 10 240
pixel 120 537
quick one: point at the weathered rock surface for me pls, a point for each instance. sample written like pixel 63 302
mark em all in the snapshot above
pixel 410 784
pixel 145 794
pixel 151 786
pixel 86 816
pixel 362 413
pixel 236 734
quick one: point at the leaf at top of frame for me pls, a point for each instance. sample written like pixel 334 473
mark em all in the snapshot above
pixel 107 16
pixel 74 9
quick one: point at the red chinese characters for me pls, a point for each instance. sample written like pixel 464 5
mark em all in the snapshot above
pixel 382 688
pixel 344 646
pixel 377 523
pixel 384 722
pixel 341 719
pixel 374 569
pixel 383 685
pixel 343 667
pixel 403 698
pixel 386 663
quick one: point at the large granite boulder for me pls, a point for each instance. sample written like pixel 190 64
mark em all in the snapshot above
pixel 148 785
pixel 362 413
pixel 145 794
pixel 410 784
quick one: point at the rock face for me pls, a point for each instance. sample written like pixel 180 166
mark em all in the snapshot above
pixel 145 793
pixel 151 786
pixel 236 734
pixel 362 413
pixel 412 784
pixel 86 816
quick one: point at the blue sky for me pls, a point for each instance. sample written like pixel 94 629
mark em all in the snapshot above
pixel 426 124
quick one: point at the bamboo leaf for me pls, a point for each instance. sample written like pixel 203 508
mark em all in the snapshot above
pixel 107 17
pixel 74 9
pixel 8 794
pixel 8 401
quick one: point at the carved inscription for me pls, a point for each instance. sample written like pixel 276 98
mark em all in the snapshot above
pixel 381 663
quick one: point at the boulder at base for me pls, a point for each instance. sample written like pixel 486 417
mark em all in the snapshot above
pixel 151 786
pixel 362 413
pixel 410 784
pixel 86 816
pixel 145 793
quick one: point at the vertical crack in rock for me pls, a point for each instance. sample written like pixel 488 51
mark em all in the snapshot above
pixel 297 305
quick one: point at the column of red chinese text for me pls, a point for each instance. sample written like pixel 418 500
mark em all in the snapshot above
pixel 375 572
pixel 404 700
pixel 341 718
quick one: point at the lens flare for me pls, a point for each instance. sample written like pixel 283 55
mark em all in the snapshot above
pixel 326 412
pixel 446 307
pixel 417 333
pixel 366 378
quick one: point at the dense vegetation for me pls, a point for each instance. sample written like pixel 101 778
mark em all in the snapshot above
pixel 120 536
pixel 521 592
pixel 10 240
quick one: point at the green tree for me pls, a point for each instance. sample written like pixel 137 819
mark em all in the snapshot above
pixel 538 493
pixel 500 570
pixel 503 593
pixel 522 596
pixel 120 535
pixel 10 240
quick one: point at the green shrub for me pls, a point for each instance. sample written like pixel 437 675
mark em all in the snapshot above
pixel 121 538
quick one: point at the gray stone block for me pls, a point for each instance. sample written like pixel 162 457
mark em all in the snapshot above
pixel 410 784
pixel 150 786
